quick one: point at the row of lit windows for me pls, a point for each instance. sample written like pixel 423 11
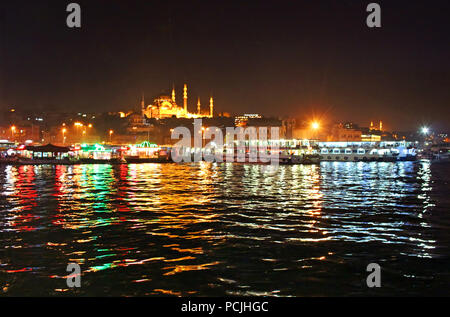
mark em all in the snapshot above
pixel 355 158
pixel 346 151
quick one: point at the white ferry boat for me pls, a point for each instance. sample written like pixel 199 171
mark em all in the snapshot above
pixel 384 151
pixel 293 151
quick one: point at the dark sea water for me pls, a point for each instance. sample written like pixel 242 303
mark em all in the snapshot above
pixel 225 229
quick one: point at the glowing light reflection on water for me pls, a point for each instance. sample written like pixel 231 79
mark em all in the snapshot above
pixel 217 229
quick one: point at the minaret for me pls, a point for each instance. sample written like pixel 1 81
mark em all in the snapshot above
pixel 143 106
pixel 371 125
pixel 381 125
pixel 173 94
pixel 211 107
pixel 185 98
pixel 198 106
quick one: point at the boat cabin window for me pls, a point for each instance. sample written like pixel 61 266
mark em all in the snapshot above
pixel 348 151
pixel 336 151
pixel 324 151
pixel 361 151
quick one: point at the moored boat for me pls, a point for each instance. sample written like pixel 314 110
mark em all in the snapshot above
pixel 366 152
pixel 137 159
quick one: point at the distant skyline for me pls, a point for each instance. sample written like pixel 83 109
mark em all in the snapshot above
pixel 277 58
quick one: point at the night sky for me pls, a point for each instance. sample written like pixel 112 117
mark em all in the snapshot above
pixel 298 58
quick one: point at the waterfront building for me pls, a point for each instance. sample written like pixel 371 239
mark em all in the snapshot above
pixel 305 130
pixel 5 147
pixel 241 121
pixel 48 152
pixel 94 151
pixel 20 133
pixel 345 132
pixel 370 137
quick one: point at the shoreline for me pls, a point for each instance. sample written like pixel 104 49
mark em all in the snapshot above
pixel 171 162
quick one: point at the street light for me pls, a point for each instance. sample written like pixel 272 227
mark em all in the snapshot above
pixel 425 130
pixel 64 130
pixel 315 126
pixel 13 132
pixel 78 125
pixel 110 135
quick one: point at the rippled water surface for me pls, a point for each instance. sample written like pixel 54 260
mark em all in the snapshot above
pixel 225 229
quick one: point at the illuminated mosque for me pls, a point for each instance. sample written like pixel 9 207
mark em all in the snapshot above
pixel 165 106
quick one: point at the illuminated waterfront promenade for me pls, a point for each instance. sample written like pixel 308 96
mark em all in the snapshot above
pixel 288 151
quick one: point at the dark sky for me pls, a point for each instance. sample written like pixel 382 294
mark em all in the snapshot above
pixel 271 57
